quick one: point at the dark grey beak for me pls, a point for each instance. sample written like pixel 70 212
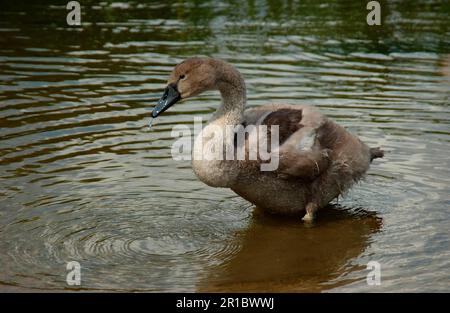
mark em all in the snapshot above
pixel 169 98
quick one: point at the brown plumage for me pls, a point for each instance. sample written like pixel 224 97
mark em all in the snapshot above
pixel 318 160
pixel 289 121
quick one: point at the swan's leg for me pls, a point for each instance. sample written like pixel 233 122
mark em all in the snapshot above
pixel 311 209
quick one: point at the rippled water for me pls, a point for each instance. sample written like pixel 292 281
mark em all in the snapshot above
pixel 82 179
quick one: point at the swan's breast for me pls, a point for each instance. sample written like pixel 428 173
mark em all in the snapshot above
pixel 209 157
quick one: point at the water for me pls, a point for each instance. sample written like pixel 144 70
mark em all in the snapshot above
pixel 82 179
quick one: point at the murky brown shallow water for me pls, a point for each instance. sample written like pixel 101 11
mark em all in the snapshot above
pixel 81 179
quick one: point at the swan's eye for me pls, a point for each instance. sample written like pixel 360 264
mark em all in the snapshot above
pixel 182 76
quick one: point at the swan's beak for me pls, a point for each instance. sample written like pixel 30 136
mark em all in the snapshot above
pixel 169 98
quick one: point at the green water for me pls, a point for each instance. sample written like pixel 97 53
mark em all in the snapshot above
pixel 81 179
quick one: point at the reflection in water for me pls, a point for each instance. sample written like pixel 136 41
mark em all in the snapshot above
pixel 280 254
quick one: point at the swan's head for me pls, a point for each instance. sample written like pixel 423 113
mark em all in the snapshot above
pixel 189 78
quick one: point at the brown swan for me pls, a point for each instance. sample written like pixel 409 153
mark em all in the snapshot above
pixel 316 159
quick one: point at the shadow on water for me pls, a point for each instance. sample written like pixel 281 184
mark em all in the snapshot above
pixel 281 254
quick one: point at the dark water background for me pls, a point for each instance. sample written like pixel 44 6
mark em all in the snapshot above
pixel 81 179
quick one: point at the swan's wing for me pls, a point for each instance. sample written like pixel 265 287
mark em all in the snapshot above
pixel 303 147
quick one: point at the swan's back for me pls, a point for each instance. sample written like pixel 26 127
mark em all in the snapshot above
pixel 318 160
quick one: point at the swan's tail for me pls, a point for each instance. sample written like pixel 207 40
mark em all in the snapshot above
pixel 376 153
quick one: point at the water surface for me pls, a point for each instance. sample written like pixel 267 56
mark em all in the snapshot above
pixel 81 178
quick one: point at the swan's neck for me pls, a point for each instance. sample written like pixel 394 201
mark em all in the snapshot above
pixel 229 114
pixel 232 89
pixel 219 172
